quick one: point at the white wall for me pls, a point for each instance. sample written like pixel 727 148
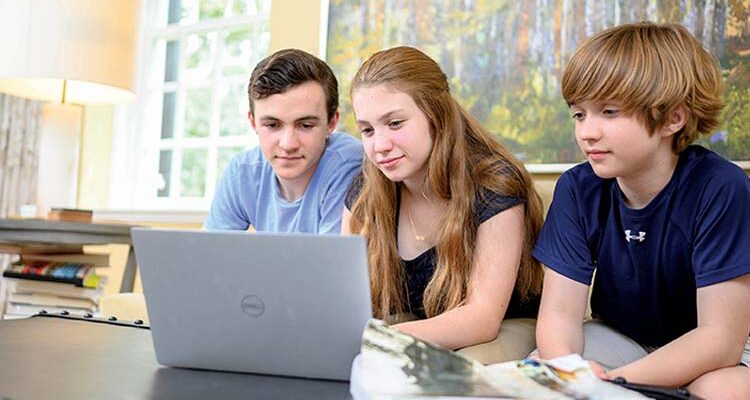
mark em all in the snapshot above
pixel 58 156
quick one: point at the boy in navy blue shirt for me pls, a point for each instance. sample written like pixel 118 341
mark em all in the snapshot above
pixel 663 223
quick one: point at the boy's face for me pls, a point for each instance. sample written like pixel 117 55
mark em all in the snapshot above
pixel 292 128
pixel 618 145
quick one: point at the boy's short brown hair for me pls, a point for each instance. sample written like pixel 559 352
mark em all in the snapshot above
pixel 649 70
pixel 288 68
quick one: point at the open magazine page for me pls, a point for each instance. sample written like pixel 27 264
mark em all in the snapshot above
pixel 394 365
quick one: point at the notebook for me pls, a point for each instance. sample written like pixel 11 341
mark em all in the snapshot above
pixel 280 304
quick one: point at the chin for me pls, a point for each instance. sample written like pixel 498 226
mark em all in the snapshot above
pixel 392 177
pixel 603 173
pixel 287 174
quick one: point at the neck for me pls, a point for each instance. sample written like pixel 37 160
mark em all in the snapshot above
pixel 417 186
pixel 639 189
pixel 292 189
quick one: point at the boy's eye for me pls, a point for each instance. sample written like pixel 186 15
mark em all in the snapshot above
pixel 578 116
pixel 610 112
pixel 271 125
pixel 395 124
pixel 307 126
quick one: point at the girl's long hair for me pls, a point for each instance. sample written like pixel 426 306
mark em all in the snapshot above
pixel 465 162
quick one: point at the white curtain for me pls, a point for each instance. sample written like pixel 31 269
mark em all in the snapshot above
pixel 20 122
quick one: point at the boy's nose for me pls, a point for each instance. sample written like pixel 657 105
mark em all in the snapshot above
pixel 588 130
pixel 289 140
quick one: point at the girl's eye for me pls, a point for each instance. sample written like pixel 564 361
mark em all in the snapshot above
pixel 395 124
pixel 578 116
pixel 366 132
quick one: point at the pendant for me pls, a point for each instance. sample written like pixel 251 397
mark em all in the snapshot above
pixel 419 237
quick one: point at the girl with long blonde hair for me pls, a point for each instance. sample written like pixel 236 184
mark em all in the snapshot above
pixel 450 215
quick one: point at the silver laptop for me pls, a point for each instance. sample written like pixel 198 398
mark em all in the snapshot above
pixel 278 304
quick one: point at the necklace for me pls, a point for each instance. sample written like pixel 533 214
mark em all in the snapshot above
pixel 420 238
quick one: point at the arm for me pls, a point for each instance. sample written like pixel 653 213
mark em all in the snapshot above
pixel 333 204
pixel 717 342
pixel 496 260
pixel 226 211
pixel 346 217
pixel 559 329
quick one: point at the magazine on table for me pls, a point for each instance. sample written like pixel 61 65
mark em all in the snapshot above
pixel 394 365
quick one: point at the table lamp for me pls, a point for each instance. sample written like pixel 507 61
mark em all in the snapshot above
pixel 70 53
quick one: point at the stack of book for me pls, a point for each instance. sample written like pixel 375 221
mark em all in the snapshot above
pixel 52 278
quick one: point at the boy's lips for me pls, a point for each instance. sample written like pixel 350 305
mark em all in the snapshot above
pixel 596 155
pixel 288 160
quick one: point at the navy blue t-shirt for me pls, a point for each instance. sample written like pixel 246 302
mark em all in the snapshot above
pixel 650 262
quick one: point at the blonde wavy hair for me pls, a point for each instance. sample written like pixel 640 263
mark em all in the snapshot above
pixel 464 163
pixel 649 69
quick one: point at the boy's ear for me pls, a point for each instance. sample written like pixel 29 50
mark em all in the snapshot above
pixel 332 123
pixel 676 120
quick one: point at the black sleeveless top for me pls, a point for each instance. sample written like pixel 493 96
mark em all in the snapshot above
pixel 419 270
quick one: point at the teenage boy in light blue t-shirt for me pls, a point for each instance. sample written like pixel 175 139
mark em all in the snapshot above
pixel 663 223
pixel 296 180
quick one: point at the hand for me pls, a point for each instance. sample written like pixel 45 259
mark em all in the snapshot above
pixel 599 371
pixel 534 355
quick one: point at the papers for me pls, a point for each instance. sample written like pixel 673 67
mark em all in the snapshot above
pixel 394 365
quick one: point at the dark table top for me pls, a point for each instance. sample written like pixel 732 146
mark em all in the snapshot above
pixel 45 231
pixel 50 357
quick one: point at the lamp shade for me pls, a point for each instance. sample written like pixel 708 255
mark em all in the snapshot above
pixel 79 51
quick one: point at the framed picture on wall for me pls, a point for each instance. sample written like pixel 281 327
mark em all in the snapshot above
pixel 504 59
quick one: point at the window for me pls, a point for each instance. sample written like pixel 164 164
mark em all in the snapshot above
pixel 504 59
pixel 191 116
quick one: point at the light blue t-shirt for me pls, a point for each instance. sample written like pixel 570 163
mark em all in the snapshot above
pixel 248 192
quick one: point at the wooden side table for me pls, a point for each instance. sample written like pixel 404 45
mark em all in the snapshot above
pixel 40 231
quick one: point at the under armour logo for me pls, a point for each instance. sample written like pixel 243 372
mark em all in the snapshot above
pixel 640 238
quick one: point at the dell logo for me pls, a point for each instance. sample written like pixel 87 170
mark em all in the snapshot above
pixel 252 305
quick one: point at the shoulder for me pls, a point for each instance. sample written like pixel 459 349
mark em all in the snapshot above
pixel 582 185
pixel 247 164
pixel 703 166
pixel 249 159
pixel 354 190
pixel 343 148
pixel 489 203
pixel 708 185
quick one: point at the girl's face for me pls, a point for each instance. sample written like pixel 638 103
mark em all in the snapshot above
pixel 395 132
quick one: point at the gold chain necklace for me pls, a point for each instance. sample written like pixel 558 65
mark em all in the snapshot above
pixel 420 238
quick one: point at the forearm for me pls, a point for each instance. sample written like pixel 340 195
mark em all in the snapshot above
pixel 699 351
pixel 454 329
pixel 559 336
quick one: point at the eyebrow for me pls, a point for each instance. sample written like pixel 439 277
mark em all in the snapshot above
pixel 311 118
pixel 384 117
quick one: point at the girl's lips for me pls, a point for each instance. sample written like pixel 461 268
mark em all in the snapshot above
pixel 390 162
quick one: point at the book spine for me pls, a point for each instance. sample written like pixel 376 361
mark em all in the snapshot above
pixel 77 274
pixel 47 278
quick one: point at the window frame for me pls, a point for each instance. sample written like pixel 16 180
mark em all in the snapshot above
pixel 136 138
